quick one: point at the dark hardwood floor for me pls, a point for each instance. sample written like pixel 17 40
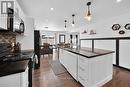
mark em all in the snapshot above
pixel 45 77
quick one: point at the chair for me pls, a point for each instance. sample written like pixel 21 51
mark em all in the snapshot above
pixel 47 49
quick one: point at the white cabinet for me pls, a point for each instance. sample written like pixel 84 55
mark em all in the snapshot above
pixel 63 57
pixel 95 72
pixel 72 64
pixel 24 78
pixel 15 80
pixel 124 53
pixel 90 72
pixel 69 60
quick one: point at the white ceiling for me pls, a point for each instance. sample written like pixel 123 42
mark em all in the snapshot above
pixel 63 9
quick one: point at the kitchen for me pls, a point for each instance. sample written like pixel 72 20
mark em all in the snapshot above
pixel 88 53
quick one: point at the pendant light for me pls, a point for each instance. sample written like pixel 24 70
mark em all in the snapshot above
pixel 73 20
pixel 65 24
pixel 88 15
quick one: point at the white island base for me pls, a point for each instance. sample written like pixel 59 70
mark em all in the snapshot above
pixel 90 72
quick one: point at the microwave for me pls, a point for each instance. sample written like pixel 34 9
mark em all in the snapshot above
pixel 18 23
pixel 12 22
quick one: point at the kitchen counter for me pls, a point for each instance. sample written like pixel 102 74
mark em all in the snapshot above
pixel 86 52
pixel 91 69
pixel 17 62
pixel 8 68
pixel 19 56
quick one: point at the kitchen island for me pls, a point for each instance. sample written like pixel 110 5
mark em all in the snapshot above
pixel 16 69
pixel 91 69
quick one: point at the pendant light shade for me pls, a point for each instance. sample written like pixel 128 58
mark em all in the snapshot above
pixel 88 15
pixel 73 23
pixel 65 24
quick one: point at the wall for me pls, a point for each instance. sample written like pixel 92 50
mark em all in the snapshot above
pixel 103 29
pixel 55 34
pixel 26 40
pixel 7 38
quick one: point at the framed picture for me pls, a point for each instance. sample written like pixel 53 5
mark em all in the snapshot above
pixel 127 26
pixel 116 27
pixel 121 32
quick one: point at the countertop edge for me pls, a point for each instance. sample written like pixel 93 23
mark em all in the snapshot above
pixel 22 68
pixel 101 54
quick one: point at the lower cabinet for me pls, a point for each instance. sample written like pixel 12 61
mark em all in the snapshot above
pixel 69 60
pixel 95 72
pixel 83 71
pixel 15 80
pixel 90 72
pixel 72 65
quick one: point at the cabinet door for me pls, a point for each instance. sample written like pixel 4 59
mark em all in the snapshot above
pixel 64 57
pixel 124 54
pixel 72 66
pixel 69 60
pixel 61 56
pixel 83 71
pixel 10 80
pixel 24 78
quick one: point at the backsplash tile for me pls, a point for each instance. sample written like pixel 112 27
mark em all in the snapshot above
pixel 6 37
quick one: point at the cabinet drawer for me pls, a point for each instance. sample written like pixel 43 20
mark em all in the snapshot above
pixel 83 65
pixel 82 60
pixel 83 69
pixel 82 81
pixel 83 74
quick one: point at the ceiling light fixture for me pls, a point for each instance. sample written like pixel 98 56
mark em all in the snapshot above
pixel 73 20
pixel 118 0
pixel 51 9
pixel 65 24
pixel 88 15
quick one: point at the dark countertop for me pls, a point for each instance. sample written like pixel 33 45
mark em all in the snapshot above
pixel 19 56
pixel 9 68
pixel 86 52
pixel 15 63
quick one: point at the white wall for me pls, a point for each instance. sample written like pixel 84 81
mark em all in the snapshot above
pixel 26 40
pixel 52 33
pixel 103 29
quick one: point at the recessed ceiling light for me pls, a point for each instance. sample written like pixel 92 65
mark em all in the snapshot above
pixel 51 9
pixel 118 0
